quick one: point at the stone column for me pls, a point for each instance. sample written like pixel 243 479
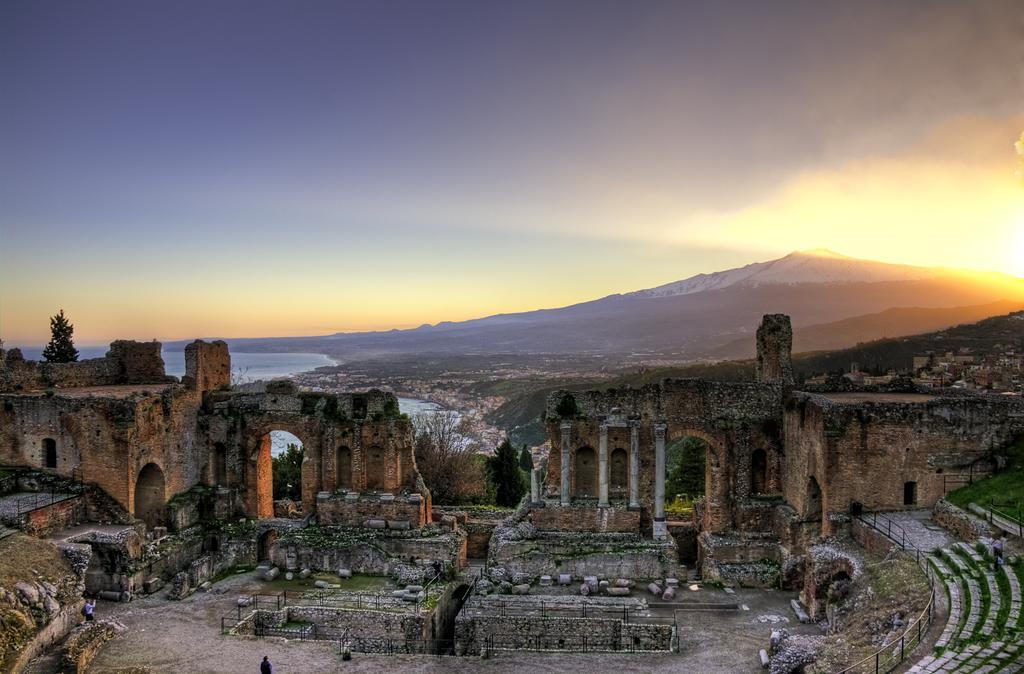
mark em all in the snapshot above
pixel 566 427
pixel 634 467
pixel 660 528
pixel 602 468
pixel 535 485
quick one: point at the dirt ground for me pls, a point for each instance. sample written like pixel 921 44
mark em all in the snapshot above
pixel 184 636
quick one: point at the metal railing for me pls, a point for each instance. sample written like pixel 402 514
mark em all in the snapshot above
pixel 890 656
pixel 1011 512
pixel 30 502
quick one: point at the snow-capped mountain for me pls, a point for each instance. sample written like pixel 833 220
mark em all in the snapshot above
pixel 819 265
pixel 688 318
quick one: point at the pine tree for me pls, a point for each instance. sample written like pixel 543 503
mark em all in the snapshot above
pixel 526 460
pixel 61 348
pixel 506 475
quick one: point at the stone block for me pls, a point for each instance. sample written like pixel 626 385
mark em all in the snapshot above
pixel 763 654
pixel 152 584
pixel 564 579
pixel 669 594
pixel 545 581
pixel 271 573
pixel 604 584
pixel 289 576
pixel 623 582
pixel 585 589
pixel 321 584
pixel 617 591
pixel 414 588
pixel 654 589
pixel 344 573
pixel 305 573
pixel 400 525
pixel 591 581
pixel 387 497
pixel 375 524
pixel 521 589
pixel 351 496
pixel 671 582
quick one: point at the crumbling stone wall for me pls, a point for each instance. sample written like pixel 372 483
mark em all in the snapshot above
pixel 127 362
pixel 774 349
pixel 868 448
pixel 361 424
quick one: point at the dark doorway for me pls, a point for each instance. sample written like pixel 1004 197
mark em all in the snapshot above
pixel 619 474
pixel 586 472
pixel 813 503
pixel 149 496
pixel 759 472
pixel 49 453
pixel 375 468
pixel 343 464
pixel 220 464
pixel 263 545
pixel 909 493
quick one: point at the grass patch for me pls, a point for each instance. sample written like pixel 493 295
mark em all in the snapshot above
pixel 1006 486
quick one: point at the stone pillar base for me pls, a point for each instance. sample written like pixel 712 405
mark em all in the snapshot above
pixel 634 508
pixel 660 529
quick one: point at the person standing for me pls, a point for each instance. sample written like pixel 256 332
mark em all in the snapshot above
pixel 266 667
pixel 87 611
pixel 997 551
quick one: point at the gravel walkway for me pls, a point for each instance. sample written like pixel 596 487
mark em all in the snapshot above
pixel 183 636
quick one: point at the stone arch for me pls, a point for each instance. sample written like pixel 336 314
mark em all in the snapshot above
pixel 585 470
pixel 150 496
pixel 49 453
pixel 375 467
pixel 343 468
pixel 717 497
pixel 759 472
pixel 618 472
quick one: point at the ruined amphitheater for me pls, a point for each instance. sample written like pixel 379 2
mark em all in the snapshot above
pixel 155 495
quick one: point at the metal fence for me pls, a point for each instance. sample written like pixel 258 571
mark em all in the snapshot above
pixel 890 656
pixel 1012 513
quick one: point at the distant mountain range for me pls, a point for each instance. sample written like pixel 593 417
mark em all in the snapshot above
pixel 703 316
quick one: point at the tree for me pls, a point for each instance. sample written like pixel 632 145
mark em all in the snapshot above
pixel 526 459
pixel 447 460
pixel 61 348
pixel 287 469
pixel 506 475
pixel 685 460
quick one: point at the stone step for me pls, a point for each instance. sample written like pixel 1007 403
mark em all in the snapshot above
pixel 1013 619
pixel 955 603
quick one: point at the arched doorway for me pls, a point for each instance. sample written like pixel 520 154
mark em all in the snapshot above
pixel 759 472
pixel 343 467
pixel 586 473
pixel 375 468
pixel 275 472
pixel 618 478
pixel 150 497
pixel 49 453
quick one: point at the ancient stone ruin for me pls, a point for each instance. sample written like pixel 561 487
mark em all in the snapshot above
pixel 156 485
